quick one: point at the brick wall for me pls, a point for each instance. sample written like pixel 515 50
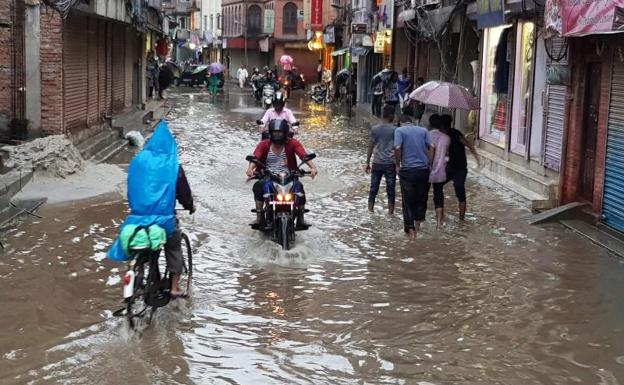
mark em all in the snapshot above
pixel 51 71
pixel 582 52
pixel 6 64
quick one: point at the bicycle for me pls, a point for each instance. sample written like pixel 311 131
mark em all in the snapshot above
pixel 145 289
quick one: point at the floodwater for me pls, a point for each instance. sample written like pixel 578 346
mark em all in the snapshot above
pixel 489 301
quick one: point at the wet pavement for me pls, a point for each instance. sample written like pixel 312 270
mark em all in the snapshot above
pixel 489 301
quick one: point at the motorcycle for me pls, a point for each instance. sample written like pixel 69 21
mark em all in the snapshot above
pixel 321 94
pixel 268 90
pixel 281 206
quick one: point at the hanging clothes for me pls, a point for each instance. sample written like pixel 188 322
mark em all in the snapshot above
pixel 501 62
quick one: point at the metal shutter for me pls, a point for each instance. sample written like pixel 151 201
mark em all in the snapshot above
pixel 75 75
pixel 613 199
pixel 554 116
pixel 119 77
pixel 93 68
pixel 129 63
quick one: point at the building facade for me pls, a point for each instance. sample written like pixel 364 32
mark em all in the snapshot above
pixel 69 71
pixel 211 31
pixel 185 31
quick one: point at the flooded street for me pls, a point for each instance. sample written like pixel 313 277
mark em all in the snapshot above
pixel 489 301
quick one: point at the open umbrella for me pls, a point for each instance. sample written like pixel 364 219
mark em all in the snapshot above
pixel 216 68
pixel 286 61
pixel 381 76
pixel 444 94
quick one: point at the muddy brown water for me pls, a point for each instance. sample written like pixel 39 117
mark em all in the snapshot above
pixel 489 301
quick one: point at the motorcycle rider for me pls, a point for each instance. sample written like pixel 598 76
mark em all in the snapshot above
pixel 278 111
pixel 279 154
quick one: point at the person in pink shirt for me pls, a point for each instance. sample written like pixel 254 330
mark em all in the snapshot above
pixel 437 176
pixel 278 111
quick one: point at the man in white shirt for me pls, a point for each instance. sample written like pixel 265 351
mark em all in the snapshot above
pixel 242 75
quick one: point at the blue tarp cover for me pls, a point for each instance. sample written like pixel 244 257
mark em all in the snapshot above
pixel 152 178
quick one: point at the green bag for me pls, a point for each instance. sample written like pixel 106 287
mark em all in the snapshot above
pixel 153 238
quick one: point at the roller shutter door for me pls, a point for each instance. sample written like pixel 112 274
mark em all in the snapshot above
pixel 613 198
pixel 119 69
pixel 93 72
pixel 75 72
pixel 554 118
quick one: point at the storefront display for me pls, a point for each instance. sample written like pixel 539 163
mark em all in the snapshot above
pixel 495 87
pixel 523 75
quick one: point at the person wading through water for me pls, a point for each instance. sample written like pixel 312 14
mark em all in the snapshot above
pixel 384 164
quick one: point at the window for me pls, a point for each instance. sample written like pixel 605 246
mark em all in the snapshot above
pixel 205 23
pixel 523 87
pixel 254 15
pixel 290 19
pixel 218 21
pixel 495 84
pixel 211 22
pixel 183 23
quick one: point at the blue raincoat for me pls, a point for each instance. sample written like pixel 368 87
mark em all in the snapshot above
pixel 152 178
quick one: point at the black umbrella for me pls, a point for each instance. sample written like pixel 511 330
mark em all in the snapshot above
pixel 381 76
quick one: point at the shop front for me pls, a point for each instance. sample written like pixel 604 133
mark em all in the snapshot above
pixel 507 86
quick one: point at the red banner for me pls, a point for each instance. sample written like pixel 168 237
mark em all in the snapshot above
pixel 587 17
pixel 316 17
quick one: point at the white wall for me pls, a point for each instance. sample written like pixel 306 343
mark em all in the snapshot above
pixel 210 8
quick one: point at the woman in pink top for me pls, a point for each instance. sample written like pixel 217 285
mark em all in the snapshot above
pixel 437 176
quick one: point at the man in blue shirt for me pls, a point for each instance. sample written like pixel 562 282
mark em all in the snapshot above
pixel 413 152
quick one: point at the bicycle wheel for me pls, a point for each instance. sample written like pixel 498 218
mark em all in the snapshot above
pixel 187 272
pixel 136 308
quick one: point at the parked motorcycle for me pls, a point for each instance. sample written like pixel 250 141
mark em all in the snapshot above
pixel 282 204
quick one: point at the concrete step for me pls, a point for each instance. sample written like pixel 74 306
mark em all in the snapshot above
pixel 567 211
pixel 92 146
pixel 540 192
pixel 610 240
pixel 110 151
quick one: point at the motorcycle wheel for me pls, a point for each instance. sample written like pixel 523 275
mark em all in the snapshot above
pixel 283 235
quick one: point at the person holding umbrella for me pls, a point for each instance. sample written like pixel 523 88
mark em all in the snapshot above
pixel 457 167
pixel 452 96
pixel 378 86
pixel 214 70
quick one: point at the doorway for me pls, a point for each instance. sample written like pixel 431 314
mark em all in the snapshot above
pixel 591 103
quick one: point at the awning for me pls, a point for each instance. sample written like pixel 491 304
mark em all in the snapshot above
pixel 340 51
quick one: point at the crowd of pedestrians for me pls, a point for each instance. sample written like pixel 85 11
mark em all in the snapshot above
pixel 421 158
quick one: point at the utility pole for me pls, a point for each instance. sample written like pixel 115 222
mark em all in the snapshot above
pixel 244 24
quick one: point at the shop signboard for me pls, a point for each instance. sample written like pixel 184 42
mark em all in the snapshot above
pixel 584 17
pixel 380 43
pixel 358 28
pixel 490 13
pixel 269 21
pixel 307 10
pixel 316 15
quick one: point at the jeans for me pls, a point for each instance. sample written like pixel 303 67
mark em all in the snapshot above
pixel 173 252
pixel 415 191
pixel 377 99
pixel 458 176
pixel 377 172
